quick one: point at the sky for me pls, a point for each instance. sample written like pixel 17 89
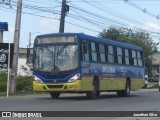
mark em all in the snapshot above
pixel 84 16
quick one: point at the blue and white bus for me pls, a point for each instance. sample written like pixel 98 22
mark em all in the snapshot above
pixel 75 62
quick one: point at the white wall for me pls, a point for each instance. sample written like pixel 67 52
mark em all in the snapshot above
pixel 22 62
pixel 156 58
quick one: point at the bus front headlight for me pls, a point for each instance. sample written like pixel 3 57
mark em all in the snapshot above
pixel 74 78
pixel 37 79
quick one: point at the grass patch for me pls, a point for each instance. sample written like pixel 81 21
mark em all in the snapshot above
pixel 24 84
pixel 3 82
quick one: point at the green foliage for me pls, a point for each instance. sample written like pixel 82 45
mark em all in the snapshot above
pixel 3 82
pixel 24 84
pixel 139 38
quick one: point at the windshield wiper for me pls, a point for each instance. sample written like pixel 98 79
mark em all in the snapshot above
pixel 59 51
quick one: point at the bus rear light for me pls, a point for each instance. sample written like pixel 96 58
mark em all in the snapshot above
pixel 74 78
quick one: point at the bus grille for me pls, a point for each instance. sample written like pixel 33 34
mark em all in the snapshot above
pixel 55 76
pixel 57 81
pixel 55 86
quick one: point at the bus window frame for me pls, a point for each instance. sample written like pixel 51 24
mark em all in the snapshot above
pixel 114 54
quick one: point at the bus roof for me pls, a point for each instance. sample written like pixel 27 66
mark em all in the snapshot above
pixel 96 39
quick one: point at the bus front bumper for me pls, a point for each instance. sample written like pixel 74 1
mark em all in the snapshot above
pixel 65 87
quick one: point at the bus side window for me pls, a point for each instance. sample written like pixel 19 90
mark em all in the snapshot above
pixel 134 56
pixel 131 62
pixel 126 54
pixel 119 55
pixel 94 52
pixel 102 53
pixel 85 51
pixel 139 57
pixel 110 54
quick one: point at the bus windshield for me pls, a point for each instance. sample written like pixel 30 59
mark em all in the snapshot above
pixel 56 58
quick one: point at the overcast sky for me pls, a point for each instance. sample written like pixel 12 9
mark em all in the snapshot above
pixel 84 16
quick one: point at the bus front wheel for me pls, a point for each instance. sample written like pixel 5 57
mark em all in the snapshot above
pixel 95 90
pixel 55 95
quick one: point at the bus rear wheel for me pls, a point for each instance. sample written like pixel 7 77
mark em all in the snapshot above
pixel 126 92
pixel 55 95
pixel 95 92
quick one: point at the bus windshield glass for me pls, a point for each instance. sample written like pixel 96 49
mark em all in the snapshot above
pixel 56 58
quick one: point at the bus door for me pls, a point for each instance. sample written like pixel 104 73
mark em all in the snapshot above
pixel 85 65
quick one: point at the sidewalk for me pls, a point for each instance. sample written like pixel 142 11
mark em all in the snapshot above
pixel 151 84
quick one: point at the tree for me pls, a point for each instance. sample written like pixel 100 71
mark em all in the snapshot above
pixel 139 38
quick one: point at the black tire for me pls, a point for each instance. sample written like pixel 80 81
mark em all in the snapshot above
pixel 159 88
pixel 95 91
pixel 55 95
pixel 126 92
pixel 98 94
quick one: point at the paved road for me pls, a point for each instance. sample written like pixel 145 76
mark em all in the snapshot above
pixel 142 100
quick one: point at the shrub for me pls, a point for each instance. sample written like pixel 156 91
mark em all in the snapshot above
pixel 24 83
pixel 3 82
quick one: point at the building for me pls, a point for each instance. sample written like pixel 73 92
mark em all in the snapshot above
pixel 156 63
pixel 24 69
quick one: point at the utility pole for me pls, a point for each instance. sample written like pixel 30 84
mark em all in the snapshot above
pixel 159 75
pixel 13 81
pixel 1 36
pixel 29 48
pixel 64 10
pixel 29 40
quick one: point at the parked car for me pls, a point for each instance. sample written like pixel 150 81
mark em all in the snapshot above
pixel 153 78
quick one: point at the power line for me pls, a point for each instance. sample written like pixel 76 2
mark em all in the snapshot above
pixel 141 9
pixel 105 9
pixel 104 18
pixel 44 10
pixel 37 8
pixel 50 11
pixel 91 21
pixel 112 0
pixel 97 16
pixel 82 14
pixel 43 3
pixel 33 14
